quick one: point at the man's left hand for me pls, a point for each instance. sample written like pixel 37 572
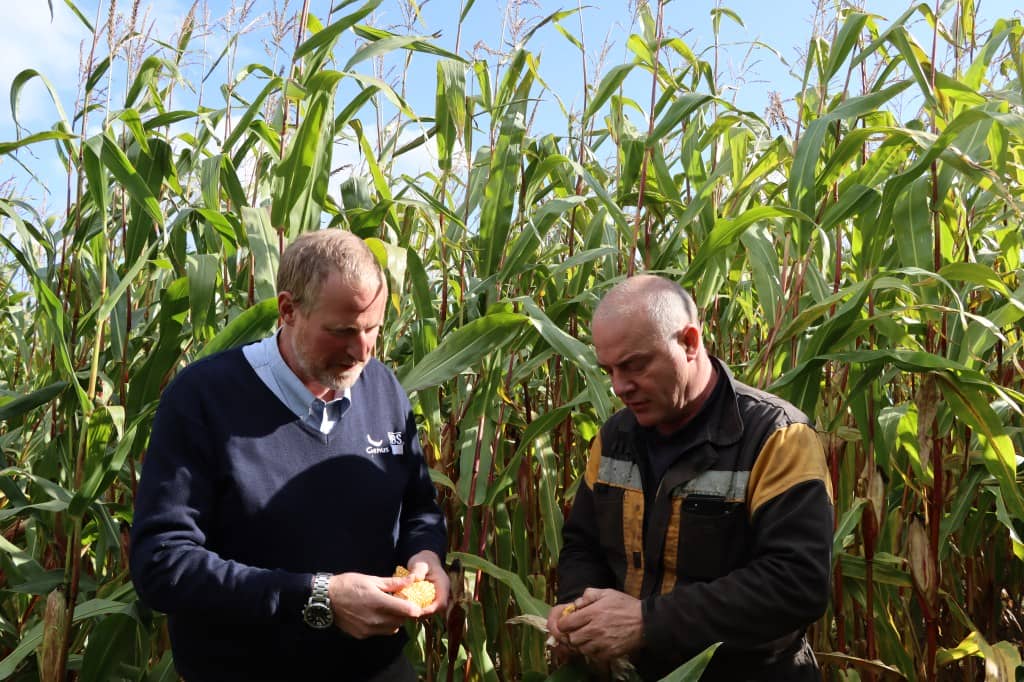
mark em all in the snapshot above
pixel 427 565
pixel 606 624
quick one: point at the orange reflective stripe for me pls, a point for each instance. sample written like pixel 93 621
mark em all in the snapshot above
pixel 671 555
pixel 593 462
pixel 633 540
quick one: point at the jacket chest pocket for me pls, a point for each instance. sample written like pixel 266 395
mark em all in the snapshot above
pixel 713 534
pixel 608 509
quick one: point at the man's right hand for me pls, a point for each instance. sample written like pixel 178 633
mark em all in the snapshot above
pixel 365 605
pixel 554 615
pixel 605 624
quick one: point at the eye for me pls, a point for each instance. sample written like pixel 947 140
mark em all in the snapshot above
pixel 635 364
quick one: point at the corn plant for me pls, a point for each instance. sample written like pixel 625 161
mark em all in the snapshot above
pixel 862 264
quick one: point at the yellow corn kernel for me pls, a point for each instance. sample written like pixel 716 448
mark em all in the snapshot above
pixel 421 592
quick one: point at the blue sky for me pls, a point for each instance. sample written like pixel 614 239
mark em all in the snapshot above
pixel 30 39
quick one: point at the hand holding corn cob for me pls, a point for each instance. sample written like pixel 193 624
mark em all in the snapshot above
pixel 421 592
pixel 430 588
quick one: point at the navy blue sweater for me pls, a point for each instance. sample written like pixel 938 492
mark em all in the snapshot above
pixel 240 502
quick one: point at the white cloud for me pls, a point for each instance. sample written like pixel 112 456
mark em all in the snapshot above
pixel 29 40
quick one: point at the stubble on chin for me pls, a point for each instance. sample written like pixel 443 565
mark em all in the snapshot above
pixel 340 382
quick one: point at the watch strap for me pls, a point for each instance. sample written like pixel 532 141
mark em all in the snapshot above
pixel 319 593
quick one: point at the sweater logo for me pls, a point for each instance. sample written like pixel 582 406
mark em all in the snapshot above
pixel 395 444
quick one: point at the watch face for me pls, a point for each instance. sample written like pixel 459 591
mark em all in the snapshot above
pixel 318 616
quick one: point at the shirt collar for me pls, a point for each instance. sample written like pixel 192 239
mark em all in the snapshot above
pixel 293 392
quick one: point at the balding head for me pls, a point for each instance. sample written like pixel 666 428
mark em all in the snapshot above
pixel 647 337
pixel 661 302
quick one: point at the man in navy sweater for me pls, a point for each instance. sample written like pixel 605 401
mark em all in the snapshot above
pixel 283 482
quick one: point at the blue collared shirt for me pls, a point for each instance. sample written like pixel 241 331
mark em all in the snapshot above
pixel 266 360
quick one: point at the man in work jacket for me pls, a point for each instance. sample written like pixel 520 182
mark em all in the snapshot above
pixel 705 514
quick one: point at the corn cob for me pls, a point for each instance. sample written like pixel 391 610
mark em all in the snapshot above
pixel 421 592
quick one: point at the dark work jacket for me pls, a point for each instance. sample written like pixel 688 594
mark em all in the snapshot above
pixel 732 545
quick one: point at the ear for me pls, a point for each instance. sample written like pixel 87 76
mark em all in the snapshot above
pixel 689 339
pixel 286 307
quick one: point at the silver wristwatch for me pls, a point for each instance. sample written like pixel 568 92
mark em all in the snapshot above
pixel 317 612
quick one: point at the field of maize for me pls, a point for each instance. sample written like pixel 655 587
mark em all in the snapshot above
pixel 855 249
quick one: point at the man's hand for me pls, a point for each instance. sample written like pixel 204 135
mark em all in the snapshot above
pixel 426 565
pixel 605 624
pixel 364 605
pixel 562 651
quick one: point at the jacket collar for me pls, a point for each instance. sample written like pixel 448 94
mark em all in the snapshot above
pixel 723 424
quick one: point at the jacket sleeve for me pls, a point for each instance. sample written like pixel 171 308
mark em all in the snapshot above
pixel 785 585
pixel 171 568
pixel 422 523
pixel 582 563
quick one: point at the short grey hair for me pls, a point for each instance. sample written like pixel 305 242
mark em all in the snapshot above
pixel 664 302
pixel 313 256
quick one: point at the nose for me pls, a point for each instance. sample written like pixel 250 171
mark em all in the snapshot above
pixel 361 346
pixel 621 384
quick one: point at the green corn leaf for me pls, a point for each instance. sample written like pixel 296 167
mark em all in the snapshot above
pixel 14 408
pixel 316 49
pixel 33 637
pixel 844 42
pixel 103 425
pixel 263 244
pixel 574 351
pixel 97 74
pixel 998 451
pixel 975 273
pixel 156 370
pixel 145 79
pixel 528 604
pixel 138 189
pixel 802 191
pixel 463 348
pixel 116 642
pixel 418 44
pixel 611 82
pixel 20 81
pixel 913 227
pixel 8 147
pixel 421 290
pixel 380 46
pixel 247 118
pixel 300 180
pixel 692 670
pixel 726 232
pixel 503 181
pixel 251 325
pixel 764 268
pixel 683 106
pixel 450 106
pixel 203 270
pixel 550 509
pixel 847 525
